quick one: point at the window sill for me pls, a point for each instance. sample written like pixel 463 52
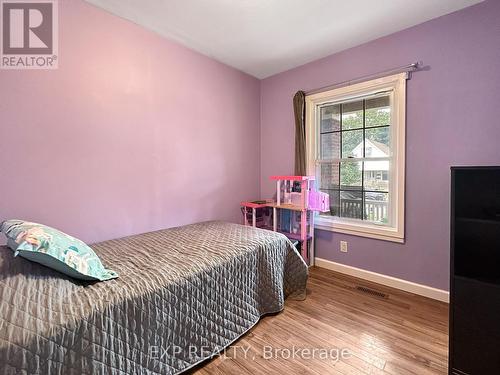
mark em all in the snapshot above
pixel 361 229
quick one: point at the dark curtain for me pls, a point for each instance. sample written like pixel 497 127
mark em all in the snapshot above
pixel 300 133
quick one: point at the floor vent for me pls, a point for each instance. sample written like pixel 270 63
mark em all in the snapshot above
pixel 371 292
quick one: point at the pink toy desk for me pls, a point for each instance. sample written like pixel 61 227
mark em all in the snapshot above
pixel 301 205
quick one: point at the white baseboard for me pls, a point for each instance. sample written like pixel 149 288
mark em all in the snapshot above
pixel 407 286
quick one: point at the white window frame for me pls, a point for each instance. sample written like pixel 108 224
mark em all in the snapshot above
pixel 396 84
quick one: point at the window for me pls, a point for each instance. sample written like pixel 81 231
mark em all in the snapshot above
pixel 356 149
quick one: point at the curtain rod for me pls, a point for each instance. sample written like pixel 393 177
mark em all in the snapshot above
pixel 407 68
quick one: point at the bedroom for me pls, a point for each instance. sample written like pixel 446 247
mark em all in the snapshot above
pixel 149 124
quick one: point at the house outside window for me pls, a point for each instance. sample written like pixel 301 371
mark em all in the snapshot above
pixel 356 150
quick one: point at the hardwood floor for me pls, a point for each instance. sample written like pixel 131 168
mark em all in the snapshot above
pixel 398 334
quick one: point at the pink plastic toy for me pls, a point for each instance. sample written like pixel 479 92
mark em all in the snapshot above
pixel 319 201
pixel 291 212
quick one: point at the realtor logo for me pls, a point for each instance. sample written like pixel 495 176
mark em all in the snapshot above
pixel 29 37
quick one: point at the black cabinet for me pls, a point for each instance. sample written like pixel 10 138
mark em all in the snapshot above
pixel 475 271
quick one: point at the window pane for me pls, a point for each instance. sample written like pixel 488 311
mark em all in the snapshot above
pixel 350 175
pixel 330 145
pixel 378 111
pixel 352 115
pixel 330 178
pixel 376 175
pixel 377 207
pixel 334 202
pixel 330 118
pixel 377 142
pixel 350 204
pixel 352 144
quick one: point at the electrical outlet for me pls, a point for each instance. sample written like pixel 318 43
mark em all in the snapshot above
pixel 343 246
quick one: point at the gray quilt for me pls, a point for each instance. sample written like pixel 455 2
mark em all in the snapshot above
pixel 183 294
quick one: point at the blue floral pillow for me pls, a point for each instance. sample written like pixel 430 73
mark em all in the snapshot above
pixel 54 249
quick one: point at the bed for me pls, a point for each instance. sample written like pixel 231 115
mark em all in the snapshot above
pixel 183 294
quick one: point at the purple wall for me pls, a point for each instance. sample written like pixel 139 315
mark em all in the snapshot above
pixel 453 118
pixel 132 133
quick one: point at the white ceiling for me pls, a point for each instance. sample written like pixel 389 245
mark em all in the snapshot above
pixel 265 37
